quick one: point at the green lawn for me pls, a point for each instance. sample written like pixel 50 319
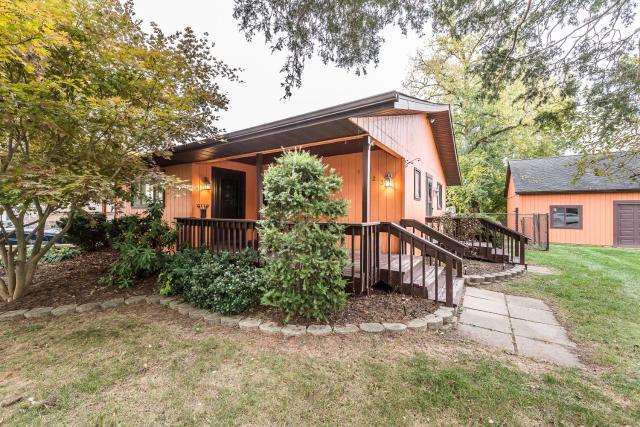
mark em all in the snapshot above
pixel 597 293
pixel 146 365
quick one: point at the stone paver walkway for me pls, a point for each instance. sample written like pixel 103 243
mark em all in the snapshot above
pixel 521 325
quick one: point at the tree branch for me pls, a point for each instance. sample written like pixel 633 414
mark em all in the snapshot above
pixel 486 138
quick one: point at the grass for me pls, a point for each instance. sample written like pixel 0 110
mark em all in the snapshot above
pixel 146 365
pixel 596 291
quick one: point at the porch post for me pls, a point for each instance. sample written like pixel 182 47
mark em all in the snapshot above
pixel 259 161
pixel 366 178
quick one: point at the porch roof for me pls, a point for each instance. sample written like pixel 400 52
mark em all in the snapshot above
pixel 326 124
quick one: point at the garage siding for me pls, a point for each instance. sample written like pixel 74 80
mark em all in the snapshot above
pixel 597 212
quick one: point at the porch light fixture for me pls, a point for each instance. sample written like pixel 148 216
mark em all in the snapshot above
pixel 388 180
pixel 206 183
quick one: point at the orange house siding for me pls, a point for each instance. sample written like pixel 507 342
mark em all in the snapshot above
pixel 386 203
pixel 412 138
pixel 597 213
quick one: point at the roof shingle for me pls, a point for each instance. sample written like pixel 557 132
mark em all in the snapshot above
pixel 558 175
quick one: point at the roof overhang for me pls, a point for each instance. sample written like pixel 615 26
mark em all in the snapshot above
pixel 327 124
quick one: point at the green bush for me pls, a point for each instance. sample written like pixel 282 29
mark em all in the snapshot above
pixel 225 282
pixel 59 253
pixel 304 259
pixel 89 230
pixel 142 243
pixel 122 224
pixel 176 273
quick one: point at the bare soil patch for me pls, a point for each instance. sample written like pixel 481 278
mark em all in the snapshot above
pixel 76 281
pixel 474 267
pixel 379 306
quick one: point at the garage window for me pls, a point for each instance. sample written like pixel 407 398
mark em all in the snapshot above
pixel 566 217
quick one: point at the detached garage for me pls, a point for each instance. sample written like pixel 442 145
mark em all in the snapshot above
pixel 592 210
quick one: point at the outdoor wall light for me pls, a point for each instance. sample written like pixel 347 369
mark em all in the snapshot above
pixel 206 183
pixel 388 180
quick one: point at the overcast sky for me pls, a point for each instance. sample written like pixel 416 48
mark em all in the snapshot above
pixel 258 99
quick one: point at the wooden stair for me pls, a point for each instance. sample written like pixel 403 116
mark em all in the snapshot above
pixel 404 281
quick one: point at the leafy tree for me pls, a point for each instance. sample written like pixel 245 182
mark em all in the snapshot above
pixel 304 258
pixel 578 49
pixel 86 96
pixel 488 130
pixel 611 145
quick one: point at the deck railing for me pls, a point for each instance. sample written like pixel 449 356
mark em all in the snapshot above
pixel 366 243
pixel 215 234
pixel 431 254
pixel 493 242
pixel 434 236
pixel 363 245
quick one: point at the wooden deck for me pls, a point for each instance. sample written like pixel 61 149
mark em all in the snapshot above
pixel 411 277
pixel 406 274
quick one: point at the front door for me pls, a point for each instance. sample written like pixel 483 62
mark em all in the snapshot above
pixel 228 193
pixel 627 224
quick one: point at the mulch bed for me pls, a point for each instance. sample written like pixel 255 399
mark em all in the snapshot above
pixel 379 306
pixel 482 267
pixel 76 281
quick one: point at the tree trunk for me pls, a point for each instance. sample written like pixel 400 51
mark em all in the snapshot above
pixel 21 281
pixel 19 264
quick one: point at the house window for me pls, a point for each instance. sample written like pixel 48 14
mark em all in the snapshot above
pixel 429 195
pixel 146 194
pixel 566 216
pixel 417 184
pixel 439 190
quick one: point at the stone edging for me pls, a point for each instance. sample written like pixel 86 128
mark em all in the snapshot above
pixel 501 276
pixel 443 318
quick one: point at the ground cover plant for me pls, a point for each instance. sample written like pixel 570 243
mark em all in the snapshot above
pixel 60 253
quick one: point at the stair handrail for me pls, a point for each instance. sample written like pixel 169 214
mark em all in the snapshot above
pixel 490 227
pixel 502 228
pixel 451 244
pixel 425 243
